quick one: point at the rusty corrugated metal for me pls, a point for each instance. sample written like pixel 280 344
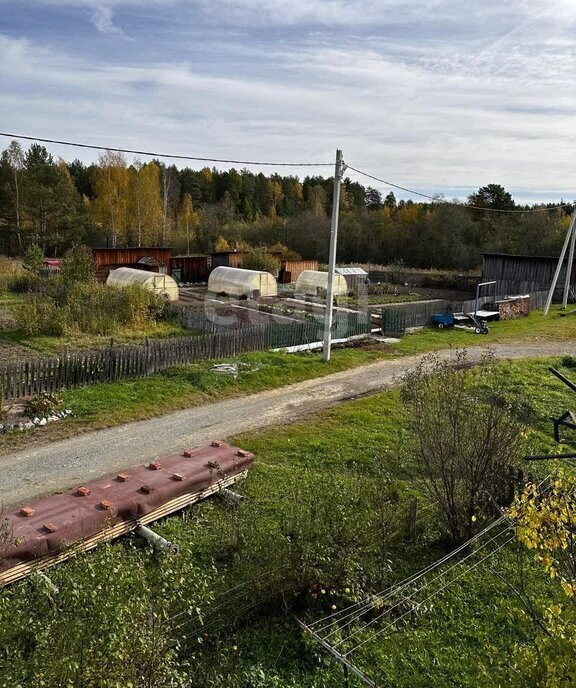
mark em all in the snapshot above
pixel 45 527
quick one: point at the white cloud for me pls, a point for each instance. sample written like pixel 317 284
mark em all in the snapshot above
pixel 486 95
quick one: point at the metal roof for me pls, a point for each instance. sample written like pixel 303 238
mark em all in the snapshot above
pixel 112 505
pixel 149 260
pixel 351 271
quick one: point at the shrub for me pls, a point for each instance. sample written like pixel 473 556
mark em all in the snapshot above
pixel 42 316
pixel 467 439
pixel 99 309
pixel 26 283
pixel 33 259
pixel 44 404
pixel 260 259
pixel 78 265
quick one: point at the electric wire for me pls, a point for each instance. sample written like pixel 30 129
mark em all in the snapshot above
pixel 423 587
pixel 165 155
pixel 436 592
pixel 384 594
pixel 268 573
pixel 229 161
pixel 438 200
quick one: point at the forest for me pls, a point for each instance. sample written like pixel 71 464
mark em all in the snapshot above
pixel 114 201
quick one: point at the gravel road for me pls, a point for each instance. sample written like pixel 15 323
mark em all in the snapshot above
pixel 55 467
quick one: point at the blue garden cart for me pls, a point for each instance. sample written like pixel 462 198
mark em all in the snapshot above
pixel 468 321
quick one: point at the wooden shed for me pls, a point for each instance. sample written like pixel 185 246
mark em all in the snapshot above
pixel 151 258
pixel 521 274
pixel 233 259
pixel 190 268
pixel 227 259
pixel 290 269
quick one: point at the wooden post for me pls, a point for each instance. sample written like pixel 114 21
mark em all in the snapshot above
pixel 412 510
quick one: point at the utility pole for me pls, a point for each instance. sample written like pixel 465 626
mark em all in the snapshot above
pixel 338 173
pixel 569 241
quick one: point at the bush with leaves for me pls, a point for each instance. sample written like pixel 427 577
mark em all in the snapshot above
pixel 545 516
pixel 78 265
pixel 34 259
pixel 44 404
pixel 467 439
pixel 42 316
pixel 260 259
pixel 109 624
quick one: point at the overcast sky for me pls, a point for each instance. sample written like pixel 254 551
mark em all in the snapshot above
pixel 438 95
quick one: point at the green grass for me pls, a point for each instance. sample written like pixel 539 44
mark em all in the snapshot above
pixel 53 346
pixel 465 637
pixel 114 403
pixel 534 328
pixel 375 299
pixel 185 386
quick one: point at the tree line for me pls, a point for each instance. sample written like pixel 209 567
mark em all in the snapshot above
pixel 114 202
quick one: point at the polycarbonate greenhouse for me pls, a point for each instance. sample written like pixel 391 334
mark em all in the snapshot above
pixel 242 283
pixel 313 283
pixel 156 282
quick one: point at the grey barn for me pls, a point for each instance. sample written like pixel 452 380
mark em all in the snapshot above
pixel 522 274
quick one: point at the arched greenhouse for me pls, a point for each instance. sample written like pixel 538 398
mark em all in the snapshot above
pixel 315 283
pixel 154 281
pixel 241 283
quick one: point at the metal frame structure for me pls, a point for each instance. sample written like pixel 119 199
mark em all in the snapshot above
pixel 569 241
pixel 563 420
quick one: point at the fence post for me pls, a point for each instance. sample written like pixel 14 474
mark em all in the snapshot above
pixel 412 510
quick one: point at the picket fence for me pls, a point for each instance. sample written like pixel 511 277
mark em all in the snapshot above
pixel 33 377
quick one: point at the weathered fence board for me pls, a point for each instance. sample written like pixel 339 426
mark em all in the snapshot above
pixel 136 361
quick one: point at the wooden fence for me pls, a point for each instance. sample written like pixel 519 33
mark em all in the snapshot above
pixel 122 362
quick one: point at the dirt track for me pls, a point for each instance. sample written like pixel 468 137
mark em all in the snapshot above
pixel 58 466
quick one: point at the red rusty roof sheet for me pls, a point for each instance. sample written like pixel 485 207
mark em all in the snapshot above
pixel 48 525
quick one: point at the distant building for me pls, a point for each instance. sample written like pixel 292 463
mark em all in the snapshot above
pixel 190 268
pixel 356 279
pixel 522 274
pixel 51 265
pixel 150 258
pixel 290 269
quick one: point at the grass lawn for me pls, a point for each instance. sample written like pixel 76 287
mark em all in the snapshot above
pixel 53 346
pixel 375 299
pixel 464 637
pixel 534 328
pixel 189 385
pixel 308 492
pixel 114 403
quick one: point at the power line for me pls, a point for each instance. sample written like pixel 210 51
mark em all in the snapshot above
pixel 402 587
pixel 165 155
pixel 437 200
pixel 434 594
pixel 384 594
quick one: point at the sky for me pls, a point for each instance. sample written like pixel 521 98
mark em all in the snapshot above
pixel 441 96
